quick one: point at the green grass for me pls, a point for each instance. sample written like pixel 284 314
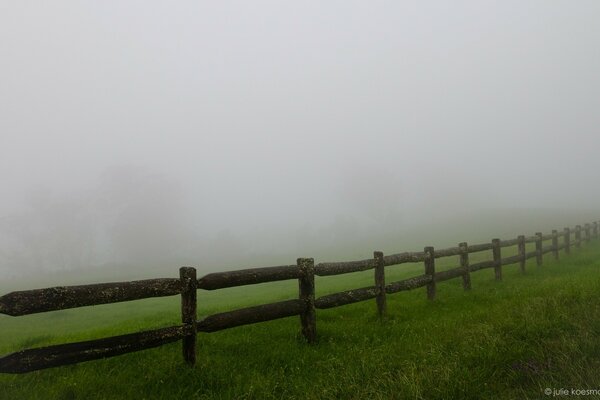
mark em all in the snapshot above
pixel 507 340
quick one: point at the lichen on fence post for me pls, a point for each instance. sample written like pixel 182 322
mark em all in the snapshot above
pixel 555 243
pixel 522 252
pixel 538 248
pixel 380 283
pixel 188 311
pixel 464 263
pixel 567 241
pixel 430 270
pixel 496 253
pixel 306 284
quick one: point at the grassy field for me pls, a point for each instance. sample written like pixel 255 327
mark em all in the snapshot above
pixel 508 340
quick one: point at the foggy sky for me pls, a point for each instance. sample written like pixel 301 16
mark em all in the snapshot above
pixel 163 133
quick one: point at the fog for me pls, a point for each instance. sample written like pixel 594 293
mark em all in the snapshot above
pixel 140 136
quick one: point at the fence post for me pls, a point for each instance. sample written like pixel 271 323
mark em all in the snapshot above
pixel 522 252
pixel 595 229
pixel 380 283
pixel 188 311
pixel 567 241
pixel 430 270
pixel 306 284
pixel 555 243
pixel 578 236
pixel 538 248
pixel 496 252
pixel 464 263
pixel 587 232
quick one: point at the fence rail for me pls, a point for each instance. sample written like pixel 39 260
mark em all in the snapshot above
pixel 65 297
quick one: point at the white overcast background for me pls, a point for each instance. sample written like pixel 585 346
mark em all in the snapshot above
pixel 146 134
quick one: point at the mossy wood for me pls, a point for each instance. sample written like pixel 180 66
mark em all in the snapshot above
pixel 64 297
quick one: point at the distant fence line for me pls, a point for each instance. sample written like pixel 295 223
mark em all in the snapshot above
pixel 64 297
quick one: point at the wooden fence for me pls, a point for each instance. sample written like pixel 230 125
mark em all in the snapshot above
pixel 64 297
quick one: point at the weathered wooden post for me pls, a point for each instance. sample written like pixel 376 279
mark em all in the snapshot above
pixel 555 243
pixel 496 252
pixel 521 251
pixel 587 232
pixel 464 263
pixel 538 248
pixel 306 283
pixel 380 283
pixel 430 270
pixel 595 229
pixel 578 236
pixel 567 241
pixel 188 311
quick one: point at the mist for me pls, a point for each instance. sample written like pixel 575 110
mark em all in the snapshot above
pixel 141 136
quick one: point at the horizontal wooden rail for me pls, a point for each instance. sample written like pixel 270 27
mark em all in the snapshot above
pixel 511 260
pixel 474 248
pixel 407 257
pixel 337 268
pixel 451 251
pixel 251 315
pixel 72 353
pixel 531 239
pixel 449 274
pixel 531 254
pixel 408 284
pixel 547 249
pixel 482 265
pixel 509 242
pixel 547 236
pixel 346 297
pixel 63 297
pixel 250 276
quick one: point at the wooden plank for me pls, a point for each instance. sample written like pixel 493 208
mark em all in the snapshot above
pixel 451 251
pixel 511 260
pixel 337 268
pixel 346 297
pixel 408 284
pixel 188 312
pixel 430 270
pixel 251 315
pixel 64 297
pixel 547 236
pixel 407 257
pixel 547 249
pixel 474 248
pixel 509 242
pixel 250 276
pixel 482 265
pixel 531 239
pixel 72 353
pixel 497 253
pixel 380 283
pixel 464 264
pixel 531 254
pixel 441 276
pixel 577 241
pixel 567 241
pixel 306 285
